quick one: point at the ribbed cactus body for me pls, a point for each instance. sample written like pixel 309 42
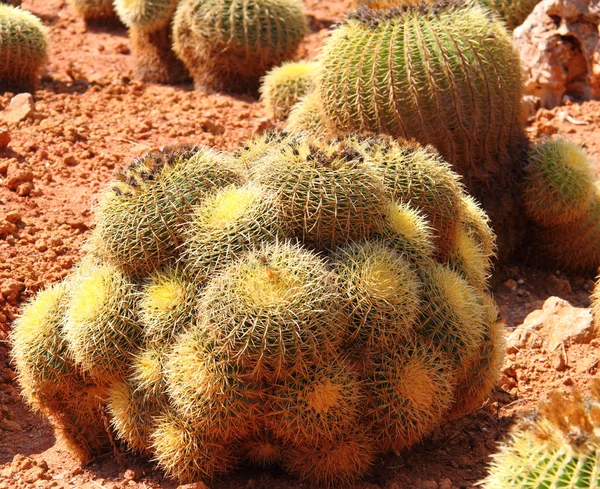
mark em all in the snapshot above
pixel 443 74
pixel 139 219
pixel 558 447
pixel 230 44
pixel 513 12
pixel 23 49
pixel 147 15
pixel 306 117
pixel 468 257
pixel 92 10
pixel 285 85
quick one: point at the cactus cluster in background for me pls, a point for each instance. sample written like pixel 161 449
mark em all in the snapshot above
pixel 299 302
pixel 23 49
pixel 149 23
pixel 230 45
pixel 93 10
pixel 285 85
pixel 444 73
pixel 559 446
pixel 513 12
pixel 562 199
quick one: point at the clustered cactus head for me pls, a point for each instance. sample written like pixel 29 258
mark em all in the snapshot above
pixel 285 85
pixel 512 12
pixel 562 199
pixel 149 23
pixel 298 302
pixel 23 49
pixel 93 10
pixel 306 117
pixel 229 46
pixel 558 446
pixel 444 73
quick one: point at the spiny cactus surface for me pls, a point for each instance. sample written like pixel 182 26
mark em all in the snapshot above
pixel 293 304
pixel 23 49
pixel 93 10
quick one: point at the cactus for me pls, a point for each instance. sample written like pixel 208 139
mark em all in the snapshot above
pixel 513 12
pixel 411 387
pixel 274 312
pixel 477 224
pixel 285 85
pixel 101 327
pixel 322 404
pixel 306 117
pixel 139 218
pixel 230 45
pixel 382 293
pixel 333 463
pixel 559 183
pixel 149 23
pixel 468 258
pixel 167 305
pixel 261 451
pixel 452 315
pixel 327 195
pixel 444 73
pixel 93 10
pixel 23 49
pixel 187 454
pixel 227 224
pixel 558 447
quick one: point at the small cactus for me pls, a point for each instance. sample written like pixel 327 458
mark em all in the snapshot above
pixel 23 49
pixel 230 45
pixel 558 446
pixel 306 117
pixel 149 23
pixel 513 12
pixel 93 10
pixel 285 85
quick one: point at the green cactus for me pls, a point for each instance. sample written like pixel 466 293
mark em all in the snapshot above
pixel 558 447
pixel 285 85
pixel 149 23
pixel 226 225
pixel 93 10
pixel 167 305
pixel 101 327
pixel 322 404
pixel 228 45
pixel 274 312
pixel 23 49
pixel 306 118
pixel 184 452
pixel 452 315
pixel 444 73
pixel 467 257
pixel 559 183
pixel 513 12
pixel 477 224
pixel 333 463
pixel 410 388
pixel 327 194
pixel 382 293
pixel 140 217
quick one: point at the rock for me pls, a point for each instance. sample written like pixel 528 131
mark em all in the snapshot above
pixel 25 189
pixel 526 335
pixel 445 484
pixel 511 284
pixel 10 289
pixel 428 485
pixel 7 228
pixel 564 323
pixel 130 475
pixel 17 176
pixel 558 286
pixel 559 44
pixel 21 107
pixel 34 474
pixel 4 137
pixel 558 362
pixel 194 485
pixel 9 425
pixel 13 216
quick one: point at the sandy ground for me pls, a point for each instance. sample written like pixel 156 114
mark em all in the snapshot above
pixel 92 117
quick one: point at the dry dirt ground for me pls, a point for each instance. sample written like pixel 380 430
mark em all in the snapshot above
pixel 91 117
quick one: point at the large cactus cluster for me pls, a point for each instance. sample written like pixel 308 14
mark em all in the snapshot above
pixel 562 199
pixel 302 303
pixel 23 48
pixel 559 446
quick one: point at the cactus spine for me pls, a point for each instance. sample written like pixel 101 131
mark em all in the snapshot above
pixel 23 49
pixel 513 12
pixel 229 45
pixel 285 85
pixel 93 10
pixel 453 67
pixel 306 117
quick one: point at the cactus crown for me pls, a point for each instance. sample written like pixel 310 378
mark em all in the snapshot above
pixel 372 16
pixel 149 15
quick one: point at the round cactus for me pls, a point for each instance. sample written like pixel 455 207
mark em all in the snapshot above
pixel 93 10
pixel 285 85
pixel 558 447
pixel 513 12
pixel 149 15
pixel 23 49
pixel 559 183
pixel 444 73
pixel 292 303
pixel 230 45
pixel 306 117
pixel 139 218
